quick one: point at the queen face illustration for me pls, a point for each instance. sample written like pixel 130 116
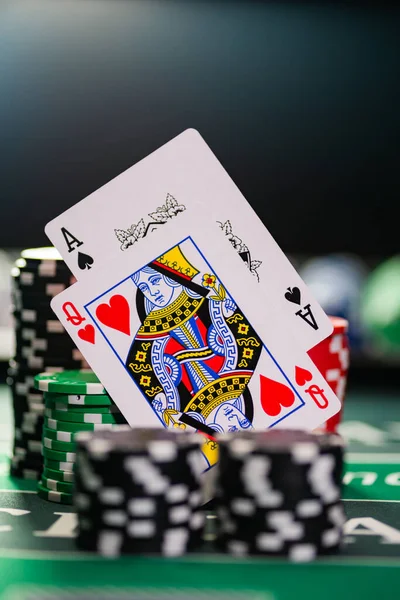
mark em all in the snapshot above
pixel 158 289
pixel 185 357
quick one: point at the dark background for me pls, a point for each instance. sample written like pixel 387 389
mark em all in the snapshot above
pixel 300 102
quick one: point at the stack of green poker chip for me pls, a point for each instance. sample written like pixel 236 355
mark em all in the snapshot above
pixel 74 401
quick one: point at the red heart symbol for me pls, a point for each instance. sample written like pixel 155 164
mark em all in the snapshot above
pixel 274 395
pixel 116 314
pixel 302 375
pixel 87 333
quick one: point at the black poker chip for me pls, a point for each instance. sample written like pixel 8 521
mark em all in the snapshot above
pixel 37 346
pixel 25 410
pixel 279 494
pixel 41 344
pixel 111 542
pixel 24 316
pixel 39 338
pixel 27 443
pixel 66 352
pixel 138 491
pixel 32 429
pixel 28 298
pixel 42 321
pixel 29 275
pixel 38 364
pixel 26 471
pixel 49 266
pixel 30 283
pixel 29 461
pixel 29 301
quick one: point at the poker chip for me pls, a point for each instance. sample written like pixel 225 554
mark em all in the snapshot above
pixel 331 357
pixel 26 352
pixel 57 486
pixel 62 476
pixel 25 472
pixel 34 336
pixel 75 427
pixel 53 496
pixel 58 465
pixel 84 417
pixel 38 363
pixel 34 446
pixel 56 445
pixel 59 436
pixel 30 343
pixel 32 358
pixel 58 455
pixel 41 345
pixel 23 456
pixel 26 319
pixel 32 285
pixel 33 301
pixel 79 410
pixel 72 382
pixel 64 415
pixel 83 400
pixel 139 491
pixel 279 494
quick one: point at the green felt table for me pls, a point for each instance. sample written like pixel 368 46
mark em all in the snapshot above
pixel 38 557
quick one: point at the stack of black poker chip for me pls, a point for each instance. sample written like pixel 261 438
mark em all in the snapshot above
pixel 41 344
pixel 279 494
pixel 139 492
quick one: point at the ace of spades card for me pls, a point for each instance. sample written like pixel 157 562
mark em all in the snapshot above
pixel 181 336
pixel 184 177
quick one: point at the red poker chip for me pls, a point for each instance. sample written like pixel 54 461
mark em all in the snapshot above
pixel 331 357
pixel 340 325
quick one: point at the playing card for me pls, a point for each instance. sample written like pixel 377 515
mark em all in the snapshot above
pixel 179 336
pixel 184 177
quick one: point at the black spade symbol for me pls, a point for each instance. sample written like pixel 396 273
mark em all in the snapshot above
pixel 84 261
pixel 293 295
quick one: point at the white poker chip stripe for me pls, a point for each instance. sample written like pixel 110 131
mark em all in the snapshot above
pixel 61 465
pixel 302 553
pixel 56 486
pixel 65 476
pixel 115 518
pixel 64 436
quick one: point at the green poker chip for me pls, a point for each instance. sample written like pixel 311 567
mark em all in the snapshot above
pixel 57 486
pixel 105 410
pixel 63 476
pixel 81 381
pixel 59 455
pixel 74 427
pixel 79 399
pixel 83 417
pixel 56 445
pixel 52 496
pixel 58 465
pixel 59 436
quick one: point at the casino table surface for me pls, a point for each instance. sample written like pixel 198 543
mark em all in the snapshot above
pixel 38 558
